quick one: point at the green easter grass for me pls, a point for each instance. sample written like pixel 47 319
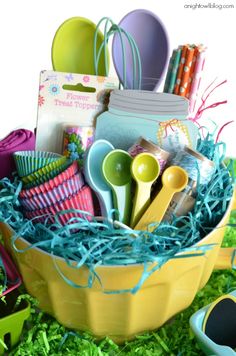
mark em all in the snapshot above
pixel 44 336
pixel 1 281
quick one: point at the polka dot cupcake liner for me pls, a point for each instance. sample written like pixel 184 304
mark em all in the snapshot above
pixel 28 162
pixel 80 201
pixel 46 173
pixel 67 188
pixel 52 183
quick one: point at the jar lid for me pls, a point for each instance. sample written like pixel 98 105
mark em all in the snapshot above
pixel 153 148
pixel 149 110
pixel 153 103
pixel 198 155
pixel 149 96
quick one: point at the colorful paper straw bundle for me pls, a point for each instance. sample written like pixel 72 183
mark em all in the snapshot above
pixel 185 72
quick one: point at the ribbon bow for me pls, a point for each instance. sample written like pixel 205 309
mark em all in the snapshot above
pixel 169 123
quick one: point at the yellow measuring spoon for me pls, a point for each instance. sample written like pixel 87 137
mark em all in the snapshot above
pixel 174 179
pixel 145 169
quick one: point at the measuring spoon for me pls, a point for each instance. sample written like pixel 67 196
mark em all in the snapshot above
pixel 174 179
pixel 145 169
pixel 116 171
pixel 94 176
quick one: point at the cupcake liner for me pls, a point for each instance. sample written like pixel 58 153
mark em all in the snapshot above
pixel 80 201
pixel 38 218
pixel 41 200
pixel 52 183
pixel 47 172
pixel 46 177
pixel 49 176
pixel 28 162
pixel 40 179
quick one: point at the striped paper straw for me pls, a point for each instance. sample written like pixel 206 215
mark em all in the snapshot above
pixel 196 81
pixel 180 69
pixel 174 70
pixel 169 71
pixel 186 71
pixel 195 55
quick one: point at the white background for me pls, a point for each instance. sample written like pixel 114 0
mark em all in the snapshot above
pixel 27 29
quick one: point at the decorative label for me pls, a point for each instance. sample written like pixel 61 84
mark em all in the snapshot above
pixel 173 134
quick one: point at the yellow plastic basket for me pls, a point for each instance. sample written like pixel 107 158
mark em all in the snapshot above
pixel 120 316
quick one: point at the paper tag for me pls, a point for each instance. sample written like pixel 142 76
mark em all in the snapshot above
pixel 173 134
pixel 66 98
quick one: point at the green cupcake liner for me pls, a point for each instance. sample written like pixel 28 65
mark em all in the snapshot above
pixel 47 172
pixel 48 176
pixel 28 162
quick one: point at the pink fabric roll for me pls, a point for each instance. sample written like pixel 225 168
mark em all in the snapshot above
pixel 18 140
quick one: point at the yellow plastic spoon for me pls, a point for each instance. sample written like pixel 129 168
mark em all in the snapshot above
pixel 145 169
pixel 174 179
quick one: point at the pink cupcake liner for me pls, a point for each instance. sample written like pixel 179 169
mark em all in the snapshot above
pixel 55 195
pixel 39 219
pixel 80 201
pixel 52 183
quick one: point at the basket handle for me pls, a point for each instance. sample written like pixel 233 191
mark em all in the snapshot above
pixel 227 255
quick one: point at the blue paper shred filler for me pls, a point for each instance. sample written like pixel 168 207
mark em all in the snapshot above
pixel 92 243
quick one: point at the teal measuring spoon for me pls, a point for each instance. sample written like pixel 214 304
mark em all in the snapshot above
pixel 94 176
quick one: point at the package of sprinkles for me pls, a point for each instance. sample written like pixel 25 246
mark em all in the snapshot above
pixel 76 139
